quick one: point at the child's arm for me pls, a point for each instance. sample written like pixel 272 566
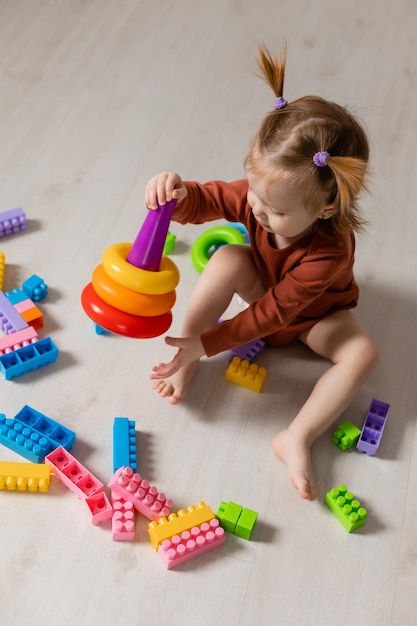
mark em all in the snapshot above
pixel 203 202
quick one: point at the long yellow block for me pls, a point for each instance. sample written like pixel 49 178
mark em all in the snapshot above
pixel 25 476
pixel 176 523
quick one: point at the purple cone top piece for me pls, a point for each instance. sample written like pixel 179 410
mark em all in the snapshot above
pixel 146 251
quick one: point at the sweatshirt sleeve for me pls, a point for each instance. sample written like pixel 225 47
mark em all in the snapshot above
pixel 211 201
pixel 301 291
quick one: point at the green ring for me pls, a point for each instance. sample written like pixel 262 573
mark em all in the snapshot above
pixel 217 236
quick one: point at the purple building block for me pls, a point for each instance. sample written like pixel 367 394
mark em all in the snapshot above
pixel 373 427
pixel 249 351
pixel 10 320
pixel 12 221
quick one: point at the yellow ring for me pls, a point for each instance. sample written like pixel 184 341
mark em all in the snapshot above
pixel 127 300
pixel 135 278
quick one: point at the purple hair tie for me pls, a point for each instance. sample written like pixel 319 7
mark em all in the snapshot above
pixel 320 159
pixel 280 103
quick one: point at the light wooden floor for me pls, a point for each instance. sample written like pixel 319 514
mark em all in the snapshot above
pixel 95 97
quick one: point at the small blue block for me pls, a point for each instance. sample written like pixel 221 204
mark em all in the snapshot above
pixel 16 296
pixel 35 288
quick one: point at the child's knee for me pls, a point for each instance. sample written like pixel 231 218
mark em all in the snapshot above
pixel 367 354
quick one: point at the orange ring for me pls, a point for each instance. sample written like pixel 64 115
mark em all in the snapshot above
pixel 130 301
pixel 136 278
pixel 120 322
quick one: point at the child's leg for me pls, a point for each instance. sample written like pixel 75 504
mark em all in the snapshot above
pixel 342 339
pixel 230 270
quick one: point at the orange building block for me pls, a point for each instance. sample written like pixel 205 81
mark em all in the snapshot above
pixel 33 317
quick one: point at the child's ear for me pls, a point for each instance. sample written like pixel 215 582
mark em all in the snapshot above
pixel 327 211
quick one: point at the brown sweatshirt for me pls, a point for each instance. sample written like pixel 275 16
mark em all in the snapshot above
pixel 305 282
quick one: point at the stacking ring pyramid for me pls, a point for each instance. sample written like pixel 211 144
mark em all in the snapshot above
pixel 132 291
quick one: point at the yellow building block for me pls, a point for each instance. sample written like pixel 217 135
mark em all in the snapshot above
pixel 246 374
pixel 25 476
pixel 2 266
pixel 176 523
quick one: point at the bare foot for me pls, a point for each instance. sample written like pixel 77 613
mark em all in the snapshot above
pixel 295 453
pixel 175 387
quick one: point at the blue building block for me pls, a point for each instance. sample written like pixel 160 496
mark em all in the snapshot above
pixel 24 440
pixel 10 320
pixel 16 296
pixel 47 427
pixel 35 288
pixel 28 358
pixel 101 331
pixel 373 427
pixel 124 443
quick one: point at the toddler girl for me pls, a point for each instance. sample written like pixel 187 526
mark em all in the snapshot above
pixel 305 169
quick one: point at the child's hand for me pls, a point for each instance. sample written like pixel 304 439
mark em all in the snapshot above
pixel 189 349
pixel 164 187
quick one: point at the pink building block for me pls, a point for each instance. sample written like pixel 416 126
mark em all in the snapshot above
pixel 24 305
pixel 76 477
pixel 193 543
pixel 123 520
pixel 18 339
pixel 99 508
pixel 146 499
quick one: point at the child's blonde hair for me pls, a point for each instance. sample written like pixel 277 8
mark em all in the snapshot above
pixel 295 132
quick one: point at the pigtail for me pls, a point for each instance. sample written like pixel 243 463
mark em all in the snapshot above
pixel 272 70
pixel 349 174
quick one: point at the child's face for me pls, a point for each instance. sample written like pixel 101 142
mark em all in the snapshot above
pixel 280 208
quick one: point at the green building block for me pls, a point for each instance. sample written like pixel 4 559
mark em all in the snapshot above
pixel 246 522
pixel 236 520
pixel 346 435
pixel 346 508
pixel 228 515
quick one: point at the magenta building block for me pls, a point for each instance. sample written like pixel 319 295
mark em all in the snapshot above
pixel 99 508
pixel 74 475
pixel 147 249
